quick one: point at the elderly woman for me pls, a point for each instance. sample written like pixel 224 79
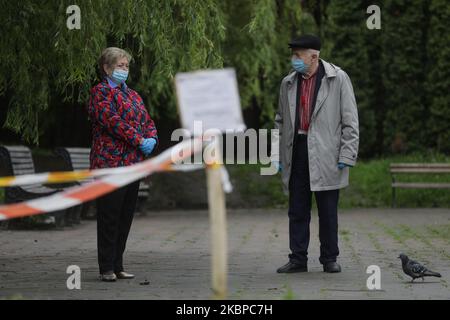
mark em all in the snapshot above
pixel 123 134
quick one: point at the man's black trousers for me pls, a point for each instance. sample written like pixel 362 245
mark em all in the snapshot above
pixel 300 197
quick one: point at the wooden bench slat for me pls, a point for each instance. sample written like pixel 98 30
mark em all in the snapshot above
pixel 79 156
pixel 21 160
pixel 79 167
pixel 415 185
pixel 84 162
pixel 22 171
pixel 421 170
pixel 20 154
pixel 420 165
pixel 78 150
pixel 80 159
pixel 17 149
pixel 23 166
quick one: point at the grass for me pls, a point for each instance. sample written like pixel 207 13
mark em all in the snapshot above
pixel 289 294
pixel 424 233
pixel 345 234
pixel 440 231
pixel 375 242
pixel 370 185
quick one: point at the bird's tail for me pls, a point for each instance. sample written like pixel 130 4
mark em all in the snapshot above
pixel 432 274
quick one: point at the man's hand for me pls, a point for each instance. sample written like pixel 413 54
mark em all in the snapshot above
pixel 147 146
pixel 342 165
pixel 277 165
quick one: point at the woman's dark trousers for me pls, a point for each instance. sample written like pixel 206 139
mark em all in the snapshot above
pixel 115 213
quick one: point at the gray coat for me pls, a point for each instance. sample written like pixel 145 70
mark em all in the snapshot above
pixel 333 133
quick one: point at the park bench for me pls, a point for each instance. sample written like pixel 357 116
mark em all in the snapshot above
pixel 417 168
pixel 18 160
pixel 78 159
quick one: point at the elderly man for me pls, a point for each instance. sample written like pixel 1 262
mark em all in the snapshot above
pixel 317 119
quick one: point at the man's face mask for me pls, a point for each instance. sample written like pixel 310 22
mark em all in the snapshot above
pixel 299 65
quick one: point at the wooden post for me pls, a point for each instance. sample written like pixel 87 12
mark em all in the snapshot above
pixel 218 226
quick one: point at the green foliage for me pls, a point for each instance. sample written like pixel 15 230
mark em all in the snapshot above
pixel 370 185
pixel 43 62
pixel 404 68
pixel 438 75
pixel 346 45
pixel 256 45
pixel 400 73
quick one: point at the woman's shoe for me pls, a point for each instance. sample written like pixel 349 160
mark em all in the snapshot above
pixel 108 276
pixel 124 275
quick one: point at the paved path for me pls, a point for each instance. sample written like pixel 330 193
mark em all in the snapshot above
pixel 171 251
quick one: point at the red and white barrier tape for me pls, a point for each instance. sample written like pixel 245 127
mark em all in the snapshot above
pixel 114 179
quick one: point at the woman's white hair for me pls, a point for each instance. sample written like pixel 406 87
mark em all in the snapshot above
pixel 110 56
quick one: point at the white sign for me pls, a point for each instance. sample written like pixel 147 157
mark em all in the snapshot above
pixel 212 97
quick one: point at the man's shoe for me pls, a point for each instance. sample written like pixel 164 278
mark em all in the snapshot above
pixel 331 267
pixel 124 275
pixel 292 267
pixel 108 277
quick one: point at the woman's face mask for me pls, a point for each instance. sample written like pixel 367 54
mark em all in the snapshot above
pixel 120 73
pixel 119 76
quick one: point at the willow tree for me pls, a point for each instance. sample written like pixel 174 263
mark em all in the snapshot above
pixel 256 45
pixel 41 59
pixel 44 64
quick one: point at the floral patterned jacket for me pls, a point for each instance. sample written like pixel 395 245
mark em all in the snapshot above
pixel 120 122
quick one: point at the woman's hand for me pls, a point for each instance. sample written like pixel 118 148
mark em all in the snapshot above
pixel 147 146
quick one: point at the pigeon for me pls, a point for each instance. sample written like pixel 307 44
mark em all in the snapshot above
pixel 416 270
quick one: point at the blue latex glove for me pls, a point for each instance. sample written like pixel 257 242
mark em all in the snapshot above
pixel 343 165
pixel 148 145
pixel 277 166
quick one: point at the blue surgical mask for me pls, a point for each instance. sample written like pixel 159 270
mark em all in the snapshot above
pixel 119 76
pixel 299 65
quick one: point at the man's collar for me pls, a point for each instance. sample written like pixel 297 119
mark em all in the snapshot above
pixel 312 75
pixel 330 69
